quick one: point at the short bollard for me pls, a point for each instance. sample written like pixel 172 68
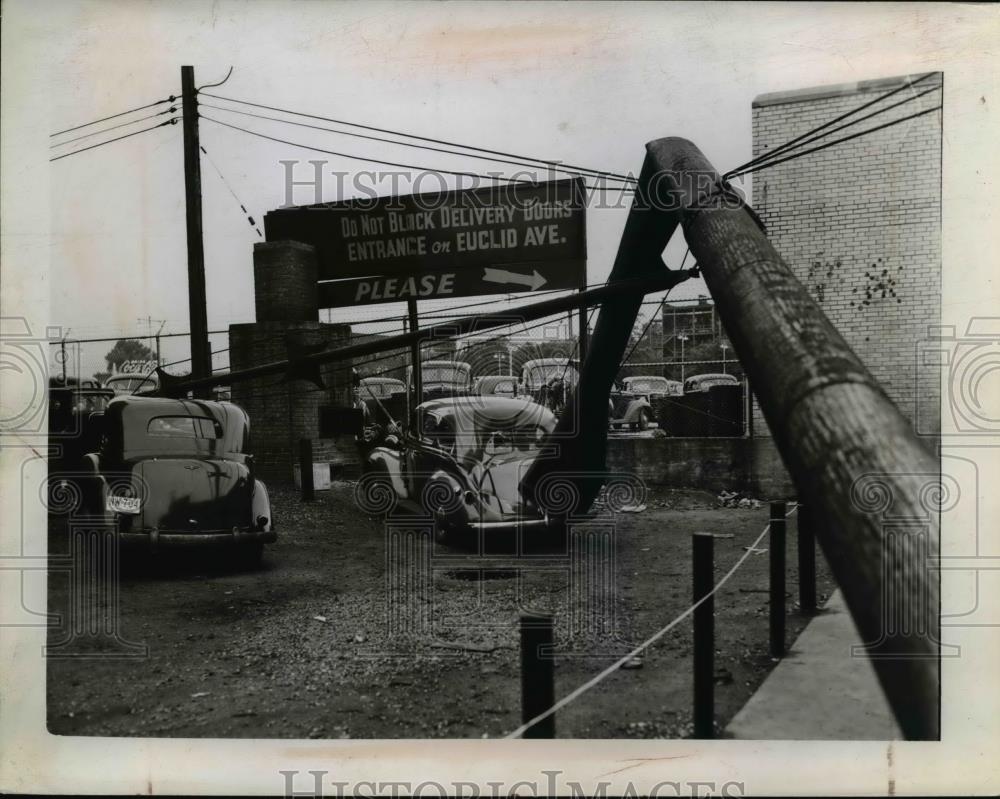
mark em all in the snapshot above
pixel 807 560
pixel 777 552
pixel 538 686
pixel 702 545
pixel 306 469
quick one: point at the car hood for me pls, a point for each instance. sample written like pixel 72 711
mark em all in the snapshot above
pixel 194 494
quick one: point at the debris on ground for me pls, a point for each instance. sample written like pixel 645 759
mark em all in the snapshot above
pixel 737 499
pixel 632 508
pixel 632 663
pixel 319 618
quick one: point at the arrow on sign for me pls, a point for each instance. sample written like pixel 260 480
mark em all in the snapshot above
pixel 533 281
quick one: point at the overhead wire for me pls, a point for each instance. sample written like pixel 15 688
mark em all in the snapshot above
pixel 594 172
pixel 799 139
pixel 169 99
pixel 239 202
pixel 171 121
pixel 114 127
pixel 495 159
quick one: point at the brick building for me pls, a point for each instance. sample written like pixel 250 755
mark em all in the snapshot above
pixel 284 411
pixel 860 223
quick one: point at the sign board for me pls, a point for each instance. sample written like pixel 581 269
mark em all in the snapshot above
pixel 134 367
pixel 517 237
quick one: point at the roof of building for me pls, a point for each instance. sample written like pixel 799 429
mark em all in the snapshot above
pixel 843 89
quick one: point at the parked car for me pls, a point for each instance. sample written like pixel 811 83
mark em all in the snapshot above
pixel 495 385
pixel 698 383
pixel 176 472
pixel 653 386
pixel 628 409
pixel 381 387
pixel 126 384
pixel 442 379
pixel 548 381
pixel 462 462
pixel 76 409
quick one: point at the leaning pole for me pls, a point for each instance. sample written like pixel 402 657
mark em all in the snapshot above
pixel 840 436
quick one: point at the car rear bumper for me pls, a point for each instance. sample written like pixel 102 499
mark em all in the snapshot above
pixel 157 539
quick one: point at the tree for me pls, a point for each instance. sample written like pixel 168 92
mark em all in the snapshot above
pixel 128 349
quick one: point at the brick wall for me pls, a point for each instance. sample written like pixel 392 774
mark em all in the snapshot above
pixel 860 223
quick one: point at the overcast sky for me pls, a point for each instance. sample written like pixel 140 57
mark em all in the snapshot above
pixel 586 83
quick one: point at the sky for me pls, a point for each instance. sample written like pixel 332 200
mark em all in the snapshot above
pixel 584 83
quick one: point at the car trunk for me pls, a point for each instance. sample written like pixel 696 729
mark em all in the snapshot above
pixel 195 495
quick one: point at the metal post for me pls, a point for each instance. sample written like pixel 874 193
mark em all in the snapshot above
pixel 702 546
pixel 200 359
pixel 62 353
pixel 306 469
pixel 834 426
pixel 538 688
pixel 583 332
pixel 417 382
pixel 807 560
pixel 777 556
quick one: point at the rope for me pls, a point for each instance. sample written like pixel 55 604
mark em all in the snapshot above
pixel 645 644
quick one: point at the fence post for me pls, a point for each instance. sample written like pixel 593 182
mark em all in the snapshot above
pixel 306 468
pixel 702 545
pixel 538 689
pixel 777 555
pixel 807 560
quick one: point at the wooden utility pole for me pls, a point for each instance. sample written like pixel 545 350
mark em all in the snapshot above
pixel 201 363
pixel 856 462
pixel 416 375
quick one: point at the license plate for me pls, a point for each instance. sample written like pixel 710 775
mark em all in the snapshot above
pixel 123 504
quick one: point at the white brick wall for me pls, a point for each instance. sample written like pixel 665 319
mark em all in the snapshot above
pixel 860 225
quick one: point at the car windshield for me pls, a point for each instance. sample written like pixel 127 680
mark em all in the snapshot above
pixel 538 374
pixel 184 427
pixel 657 384
pixel 444 374
pixel 380 389
pixel 475 436
pixel 130 385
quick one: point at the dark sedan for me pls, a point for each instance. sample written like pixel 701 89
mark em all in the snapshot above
pixel 174 472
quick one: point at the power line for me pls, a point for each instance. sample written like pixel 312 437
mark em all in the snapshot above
pixel 218 172
pixel 769 156
pixel 594 172
pixel 792 142
pixel 496 159
pixel 114 127
pixel 364 158
pixel 171 121
pixel 899 121
pixel 169 99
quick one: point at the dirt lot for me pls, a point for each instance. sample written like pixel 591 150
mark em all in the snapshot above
pixel 340 635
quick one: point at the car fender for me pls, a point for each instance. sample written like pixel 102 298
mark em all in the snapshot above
pixel 260 505
pixel 450 505
pixel 386 460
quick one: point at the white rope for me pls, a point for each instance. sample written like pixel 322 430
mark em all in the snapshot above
pixel 648 642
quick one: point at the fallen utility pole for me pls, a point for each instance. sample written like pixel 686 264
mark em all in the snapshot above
pixel 582 429
pixel 170 385
pixel 837 432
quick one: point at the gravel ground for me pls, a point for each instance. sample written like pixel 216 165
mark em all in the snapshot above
pixel 328 639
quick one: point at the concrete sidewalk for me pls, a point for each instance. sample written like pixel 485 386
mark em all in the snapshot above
pixel 818 692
